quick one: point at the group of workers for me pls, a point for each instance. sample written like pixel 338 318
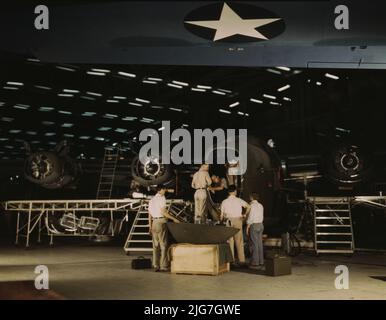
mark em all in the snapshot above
pixel 233 212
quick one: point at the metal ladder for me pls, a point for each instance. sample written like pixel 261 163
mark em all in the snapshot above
pixel 139 239
pixel 106 178
pixel 333 225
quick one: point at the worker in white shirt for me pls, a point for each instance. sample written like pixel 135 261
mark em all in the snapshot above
pixel 232 212
pixel 158 216
pixel 201 181
pixel 255 230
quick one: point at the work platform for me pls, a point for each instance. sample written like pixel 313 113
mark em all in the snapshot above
pixel 78 216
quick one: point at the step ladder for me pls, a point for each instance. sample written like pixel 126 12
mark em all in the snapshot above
pixel 139 239
pixel 333 225
pixel 107 175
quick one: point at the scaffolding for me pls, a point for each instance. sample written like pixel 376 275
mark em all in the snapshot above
pixel 77 217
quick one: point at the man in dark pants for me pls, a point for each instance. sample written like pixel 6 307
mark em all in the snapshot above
pixel 255 230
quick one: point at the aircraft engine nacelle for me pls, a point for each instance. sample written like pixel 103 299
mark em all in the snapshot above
pixel 50 170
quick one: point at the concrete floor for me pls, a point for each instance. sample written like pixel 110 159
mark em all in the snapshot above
pixel 105 273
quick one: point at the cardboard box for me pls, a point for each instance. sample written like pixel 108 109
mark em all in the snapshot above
pixel 209 259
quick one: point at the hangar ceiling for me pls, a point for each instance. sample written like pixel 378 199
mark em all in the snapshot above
pixel 97 105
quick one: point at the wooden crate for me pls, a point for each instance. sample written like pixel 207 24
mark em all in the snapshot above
pixel 197 259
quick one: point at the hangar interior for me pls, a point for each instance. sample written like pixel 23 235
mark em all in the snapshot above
pixel 322 129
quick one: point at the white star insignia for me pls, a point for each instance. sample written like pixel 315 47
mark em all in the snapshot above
pixel 231 23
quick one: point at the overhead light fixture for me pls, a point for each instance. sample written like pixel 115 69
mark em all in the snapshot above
pixel 69 95
pixel 331 76
pixel 174 85
pixel 43 87
pixel 84 137
pixel 219 92
pixel 135 104
pixel 70 90
pixel 154 79
pixel 287 99
pixel 104 128
pixel 162 128
pixel 99 138
pixel 100 70
pixel 50 134
pixel 94 94
pixel 224 111
pixel 142 100
pixel 318 83
pixel 198 89
pixel 22 106
pixel 93 73
pixel 13 83
pixel 225 90
pixel 176 109
pixel 269 96
pixel 67 125
pixel 112 101
pixel 88 98
pixel 65 68
pixel 46 109
pixel 33 60
pixel 256 100
pixel 274 103
pixel 120 97
pixel 203 87
pixel 65 112
pixel 284 88
pixel 110 116
pixel 234 104
pixel 185 84
pixel 10 88
pixel 88 114
pixel 149 81
pixel 274 71
pixel 120 130
pixel 240 113
pixel 129 118
pixel 284 68
pixel 127 74
pixel 157 107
